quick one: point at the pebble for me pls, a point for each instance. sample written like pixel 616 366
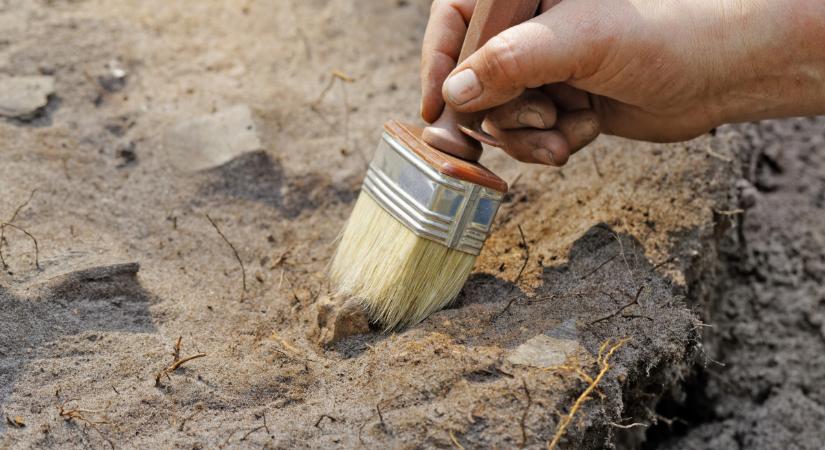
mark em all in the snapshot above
pixel 21 97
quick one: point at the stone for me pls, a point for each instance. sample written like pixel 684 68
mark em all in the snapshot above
pixel 21 97
pixel 548 349
pixel 212 140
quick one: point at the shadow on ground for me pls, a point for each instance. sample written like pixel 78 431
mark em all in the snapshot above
pixel 96 299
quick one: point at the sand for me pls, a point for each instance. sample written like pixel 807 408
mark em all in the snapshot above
pixel 164 113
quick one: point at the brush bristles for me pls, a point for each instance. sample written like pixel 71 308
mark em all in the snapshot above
pixel 401 278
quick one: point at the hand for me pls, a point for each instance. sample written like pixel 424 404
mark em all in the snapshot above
pixel 656 70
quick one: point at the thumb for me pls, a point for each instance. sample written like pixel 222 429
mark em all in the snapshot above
pixel 537 52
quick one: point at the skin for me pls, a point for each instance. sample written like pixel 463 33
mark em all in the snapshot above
pixel 654 70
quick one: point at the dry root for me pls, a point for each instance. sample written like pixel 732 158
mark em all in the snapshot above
pixel 606 350
pixel 177 361
pixel 77 414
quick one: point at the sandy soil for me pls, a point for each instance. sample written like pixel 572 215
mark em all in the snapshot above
pixel 628 241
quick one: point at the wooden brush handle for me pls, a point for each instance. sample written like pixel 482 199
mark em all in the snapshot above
pixel 410 137
pixel 457 133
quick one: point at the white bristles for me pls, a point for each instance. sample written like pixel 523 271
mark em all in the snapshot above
pixel 401 278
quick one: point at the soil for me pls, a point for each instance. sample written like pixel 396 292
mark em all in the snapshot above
pixel 688 251
pixel 765 386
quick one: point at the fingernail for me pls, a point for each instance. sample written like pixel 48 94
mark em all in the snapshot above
pixel 544 156
pixel 462 87
pixel 531 119
pixel 586 129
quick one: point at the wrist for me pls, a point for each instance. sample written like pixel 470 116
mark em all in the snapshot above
pixel 773 63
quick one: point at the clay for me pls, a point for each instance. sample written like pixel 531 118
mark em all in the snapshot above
pixel 338 319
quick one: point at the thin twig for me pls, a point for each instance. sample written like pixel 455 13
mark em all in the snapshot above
pixel 506 307
pixel 323 416
pixel 22 205
pixel 628 426
pixel 235 251
pixel 31 236
pixel 177 361
pixel 524 414
pixel 664 263
pixel 716 155
pixel 380 416
pixel 526 255
pixel 77 415
pixel 9 223
pixel 198 409
pixel 596 269
pixel 634 301
pixel 259 428
pixel 455 441
pixel 518 276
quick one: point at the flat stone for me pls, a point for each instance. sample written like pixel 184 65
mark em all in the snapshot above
pixel 21 97
pixel 548 349
pixel 209 141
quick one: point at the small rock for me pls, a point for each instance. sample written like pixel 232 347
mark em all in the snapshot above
pixel 548 349
pixel 339 319
pixel 209 141
pixel 115 78
pixel 22 97
pixel 748 194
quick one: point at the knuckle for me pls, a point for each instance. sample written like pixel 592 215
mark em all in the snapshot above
pixel 502 61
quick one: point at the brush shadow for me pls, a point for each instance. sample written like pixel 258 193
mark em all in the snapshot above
pixel 98 299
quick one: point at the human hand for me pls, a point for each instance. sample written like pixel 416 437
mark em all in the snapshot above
pixel 643 69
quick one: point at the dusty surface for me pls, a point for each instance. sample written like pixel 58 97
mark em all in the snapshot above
pixel 129 261
pixel 766 388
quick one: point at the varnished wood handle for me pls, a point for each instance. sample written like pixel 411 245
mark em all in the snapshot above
pixel 410 137
pixel 490 18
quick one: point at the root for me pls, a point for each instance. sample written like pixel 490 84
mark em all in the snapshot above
pixel 177 361
pixel 455 441
pixel 606 350
pixel 77 414
pixel 9 223
pixel 524 415
pixel 634 301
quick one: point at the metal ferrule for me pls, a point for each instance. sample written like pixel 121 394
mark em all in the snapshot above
pixel 452 212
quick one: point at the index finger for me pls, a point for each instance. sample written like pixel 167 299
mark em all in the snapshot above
pixel 439 54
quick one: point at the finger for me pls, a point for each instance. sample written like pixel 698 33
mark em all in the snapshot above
pixel 550 48
pixel 567 97
pixel 579 128
pixel 442 45
pixel 548 147
pixel 533 109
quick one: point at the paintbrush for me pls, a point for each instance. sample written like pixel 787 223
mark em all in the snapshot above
pixel 423 214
